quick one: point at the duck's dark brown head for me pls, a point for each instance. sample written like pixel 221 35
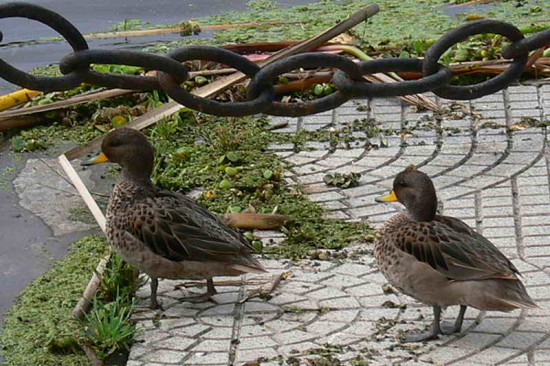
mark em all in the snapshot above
pixel 415 190
pixel 130 149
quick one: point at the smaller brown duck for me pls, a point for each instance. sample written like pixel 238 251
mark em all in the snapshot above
pixel 166 234
pixel 441 261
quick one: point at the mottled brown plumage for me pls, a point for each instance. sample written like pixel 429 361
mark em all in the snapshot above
pixel 441 261
pixel 166 234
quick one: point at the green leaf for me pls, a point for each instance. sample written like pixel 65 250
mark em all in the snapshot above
pixel 235 209
pixel 50 114
pixel 283 80
pixel 318 89
pixel 258 246
pixel 268 174
pixel 201 80
pixel 18 143
pixel 462 54
pixel 44 101
pixel 102 68
pixel 419 46
pixel 225 184
pixel 118 121
pixel 31 145
pixel 232 156
pixel 328 89
pixel 230 171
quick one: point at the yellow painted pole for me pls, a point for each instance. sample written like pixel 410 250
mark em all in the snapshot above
pixel 17 97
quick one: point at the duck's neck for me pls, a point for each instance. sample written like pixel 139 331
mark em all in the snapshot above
pixel 139 175
pixel 421 216
pixel 423 208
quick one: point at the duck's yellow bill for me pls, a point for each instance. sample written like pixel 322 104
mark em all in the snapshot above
pixel 390 197
pixel 98 159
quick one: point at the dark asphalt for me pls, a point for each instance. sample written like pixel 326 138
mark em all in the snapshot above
pixel 28 246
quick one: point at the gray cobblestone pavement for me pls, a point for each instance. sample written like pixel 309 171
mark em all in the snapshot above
pixel 495 179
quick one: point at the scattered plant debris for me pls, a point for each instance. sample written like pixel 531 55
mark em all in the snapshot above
pixel 342 180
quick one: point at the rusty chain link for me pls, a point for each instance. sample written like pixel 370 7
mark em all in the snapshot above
pixel 76 69
pixel 172 87
pixel 460 34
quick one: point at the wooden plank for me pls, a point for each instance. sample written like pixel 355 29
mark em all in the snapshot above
pixel 18 122
pixel 83 191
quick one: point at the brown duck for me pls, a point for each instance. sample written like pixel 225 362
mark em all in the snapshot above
pixel 441 261
pixel 166 234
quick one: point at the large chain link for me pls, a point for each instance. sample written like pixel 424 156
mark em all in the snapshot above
pixel 261 94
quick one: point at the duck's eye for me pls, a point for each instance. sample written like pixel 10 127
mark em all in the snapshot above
pixel 401 183
pixel 115 143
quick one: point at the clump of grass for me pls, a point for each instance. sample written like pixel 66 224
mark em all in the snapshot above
pixel 118 281
pixel 108 328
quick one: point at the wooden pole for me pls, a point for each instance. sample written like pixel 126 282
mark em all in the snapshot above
pixel 83 191
pixel 85 301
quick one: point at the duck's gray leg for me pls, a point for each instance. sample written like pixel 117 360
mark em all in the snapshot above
pixel 154 286
pixel 429 335
pixel 457 326
pixel 210 291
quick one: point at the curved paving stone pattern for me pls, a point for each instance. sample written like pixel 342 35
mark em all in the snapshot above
pixel 495 179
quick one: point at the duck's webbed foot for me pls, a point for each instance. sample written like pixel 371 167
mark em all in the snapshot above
pixel 429 335
pixel 456 327
pixel 420 337
pixel 207 296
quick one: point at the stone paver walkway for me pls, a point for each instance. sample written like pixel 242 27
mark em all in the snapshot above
pixel 496 179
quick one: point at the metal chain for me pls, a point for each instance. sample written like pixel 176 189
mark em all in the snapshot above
pixel 260 93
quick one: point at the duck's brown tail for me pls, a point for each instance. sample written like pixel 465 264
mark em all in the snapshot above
pixel 249 265
pixel 247 269
pixel 505 295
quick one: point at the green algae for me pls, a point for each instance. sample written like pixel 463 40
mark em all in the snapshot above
pixel 400 24
pixel 81 214
pixel 39 329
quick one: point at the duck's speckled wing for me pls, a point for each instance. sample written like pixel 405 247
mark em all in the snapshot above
pixel 177 228
pixel 454 249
